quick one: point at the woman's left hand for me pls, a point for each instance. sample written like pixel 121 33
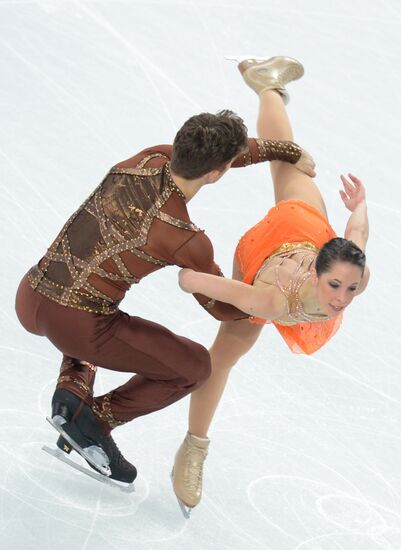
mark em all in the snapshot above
pixel 354 193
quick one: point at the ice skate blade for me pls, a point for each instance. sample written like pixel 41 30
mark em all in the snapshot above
pixel 186 510
pixel 56 453
pixel 105 470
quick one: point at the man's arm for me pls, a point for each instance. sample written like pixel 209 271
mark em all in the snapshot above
pixel 262 150
pixel 197 254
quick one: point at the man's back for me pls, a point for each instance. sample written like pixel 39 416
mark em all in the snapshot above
pixel 135 222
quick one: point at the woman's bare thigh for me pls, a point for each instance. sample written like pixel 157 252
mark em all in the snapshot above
pixel 235 338
pixel 291 184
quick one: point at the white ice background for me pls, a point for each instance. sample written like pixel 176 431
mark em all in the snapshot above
pixel 305 451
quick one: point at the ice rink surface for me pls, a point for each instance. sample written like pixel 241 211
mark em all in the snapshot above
pixel 305 451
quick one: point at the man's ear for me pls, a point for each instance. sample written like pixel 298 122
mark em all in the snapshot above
pixel 213 176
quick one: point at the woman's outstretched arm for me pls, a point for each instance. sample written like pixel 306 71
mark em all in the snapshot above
pixel 353 196
pixel 257 301
pixel 357 228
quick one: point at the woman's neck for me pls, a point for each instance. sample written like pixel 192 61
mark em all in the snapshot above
pixel 309 298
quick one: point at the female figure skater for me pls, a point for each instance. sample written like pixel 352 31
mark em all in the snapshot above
pixel 290 270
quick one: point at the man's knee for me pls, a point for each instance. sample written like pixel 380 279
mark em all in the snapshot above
pixel 200 369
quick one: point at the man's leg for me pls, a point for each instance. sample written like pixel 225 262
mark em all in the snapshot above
pixel 78 374
pixel 168 367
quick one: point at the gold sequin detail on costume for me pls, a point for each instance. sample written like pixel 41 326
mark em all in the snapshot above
pixel 89 365
pixel 209 304
pixel 279 150
pixel 76 381
pixel 70 362
pixel 116 218
pixel 295 309
pixel 103 412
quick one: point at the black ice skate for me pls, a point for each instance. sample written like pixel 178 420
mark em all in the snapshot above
pixel 60 455
pixel 77 424
pixel 64 406
pixel 81 431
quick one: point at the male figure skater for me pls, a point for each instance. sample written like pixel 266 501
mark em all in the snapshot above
pixel 134 223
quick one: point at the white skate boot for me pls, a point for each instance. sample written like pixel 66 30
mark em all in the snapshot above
pixel 270 74
pixel 188 472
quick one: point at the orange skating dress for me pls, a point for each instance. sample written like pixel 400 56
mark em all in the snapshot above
pixel 289 226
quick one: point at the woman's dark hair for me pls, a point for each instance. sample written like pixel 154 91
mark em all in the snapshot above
pixel 207 142
pixel 339 250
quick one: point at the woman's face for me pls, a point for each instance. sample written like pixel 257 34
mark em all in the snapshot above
pixel 336 288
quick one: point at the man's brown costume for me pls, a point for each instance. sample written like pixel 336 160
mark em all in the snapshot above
pixel 135 222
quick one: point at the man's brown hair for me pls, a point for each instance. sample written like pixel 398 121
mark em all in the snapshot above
pixel 207 142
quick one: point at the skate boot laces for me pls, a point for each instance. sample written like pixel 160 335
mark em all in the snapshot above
pixel 116 455
pixel 121 469
pixel 196 458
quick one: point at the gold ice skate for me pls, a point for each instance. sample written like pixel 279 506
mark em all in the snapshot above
pixel 187 472
pixel 270 74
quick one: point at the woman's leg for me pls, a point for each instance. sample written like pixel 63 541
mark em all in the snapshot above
pixel 234 339
pixel 289 182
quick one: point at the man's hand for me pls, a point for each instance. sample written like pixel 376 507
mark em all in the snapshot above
pixel 352 194
pixel 306 164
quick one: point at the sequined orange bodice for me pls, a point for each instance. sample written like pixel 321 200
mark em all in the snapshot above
pixel 306 254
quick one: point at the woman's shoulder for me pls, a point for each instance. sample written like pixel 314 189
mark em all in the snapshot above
pixel 277 270
pixel 271 299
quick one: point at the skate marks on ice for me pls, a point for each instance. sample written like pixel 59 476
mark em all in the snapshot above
pixel 44 484
pixel 291 504
pixel 57 500
pixel 314 480
pixel 153 72
pixel 55 496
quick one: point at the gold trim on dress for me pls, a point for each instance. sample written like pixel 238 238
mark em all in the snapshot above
pixel 287 248
pixel 290 247
pixel 295 310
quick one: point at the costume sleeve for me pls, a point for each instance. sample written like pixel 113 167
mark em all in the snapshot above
pixel 197 254
pixel 261 150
